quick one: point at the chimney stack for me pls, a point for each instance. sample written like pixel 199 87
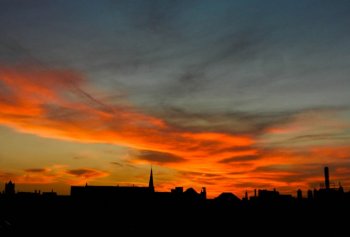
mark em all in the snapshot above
pixel 326 177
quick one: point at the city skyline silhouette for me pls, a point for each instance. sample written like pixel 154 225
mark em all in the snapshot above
pixel 69 212
pixel 9 189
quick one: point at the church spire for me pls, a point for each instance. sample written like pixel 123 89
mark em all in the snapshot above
pixel 150 184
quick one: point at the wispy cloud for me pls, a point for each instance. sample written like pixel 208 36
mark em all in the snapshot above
pixel 87 173
pixel 117 163
pixel 158 157
pixel 53 104
pixel 52 174
pixel 32 176
pixel 36 170
pixel 240 159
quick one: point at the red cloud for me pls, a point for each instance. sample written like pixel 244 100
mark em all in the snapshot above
pixel 51 103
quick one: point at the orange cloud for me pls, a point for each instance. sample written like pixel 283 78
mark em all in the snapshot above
pixel 54 174
pixel 87 173
pixel 51 103
pixel 31 176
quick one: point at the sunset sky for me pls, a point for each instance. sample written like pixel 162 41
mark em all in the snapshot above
pixel 227 95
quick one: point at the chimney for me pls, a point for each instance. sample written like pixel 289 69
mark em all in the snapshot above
pixel 326 177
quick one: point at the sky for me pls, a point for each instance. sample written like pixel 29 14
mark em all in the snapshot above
pixel 227 95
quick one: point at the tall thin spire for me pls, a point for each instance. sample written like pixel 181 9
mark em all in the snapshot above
pixel 150 184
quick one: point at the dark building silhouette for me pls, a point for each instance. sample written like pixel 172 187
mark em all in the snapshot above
pixel 328 194
pixel 177 190
pixel 227 197
pixel 271 197
pixel 246 195
pixel 110 192
pixel 191 194
pixel 49 194
pixel 309 195
pixel 9 188
pixel 267 194
pixel 299 194
pixel 340 189
pixel 138 194
pixel 203 193
pixel 27 194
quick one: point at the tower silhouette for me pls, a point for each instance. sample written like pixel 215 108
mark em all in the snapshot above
pixel 9 188
pixel 150 184
pixel 326 177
